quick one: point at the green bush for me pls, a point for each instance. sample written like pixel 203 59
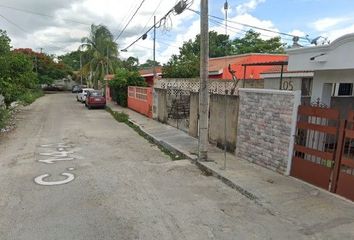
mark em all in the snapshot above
pixel 4 117
pixel 119 85
pixel 30 96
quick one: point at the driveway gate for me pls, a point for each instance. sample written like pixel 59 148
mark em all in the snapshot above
pixel 324 150
pixel 344 171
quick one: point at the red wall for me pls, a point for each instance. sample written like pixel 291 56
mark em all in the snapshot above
pixel 140 100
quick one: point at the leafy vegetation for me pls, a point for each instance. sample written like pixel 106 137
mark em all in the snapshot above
pixel 4 117
pixel 45 67
pixel 119 85
pixel 149 63
pixel 186 63
pixel 16 72
pixel 102 53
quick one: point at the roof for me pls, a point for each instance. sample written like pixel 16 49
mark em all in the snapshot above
pixel 237 62
pixel 277 69
pixel 215 64
pixel 150 71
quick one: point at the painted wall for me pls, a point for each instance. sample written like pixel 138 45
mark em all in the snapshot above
pixel 266 127
pixel 338 55
pixel 193 114
pixel 222 108
pixel 140 100
pixel 291 84
pixel 322 84
pixel 161 104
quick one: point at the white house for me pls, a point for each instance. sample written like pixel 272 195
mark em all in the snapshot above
pixel 323 73
pixel 333 70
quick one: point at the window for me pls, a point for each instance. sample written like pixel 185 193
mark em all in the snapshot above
pixel 306 86
pixel 345 89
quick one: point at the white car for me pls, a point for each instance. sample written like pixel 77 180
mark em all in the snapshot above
pixel 81 96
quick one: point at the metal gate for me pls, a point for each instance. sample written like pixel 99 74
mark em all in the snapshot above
pixel 324 150
pixel 315 142
pixel 344 170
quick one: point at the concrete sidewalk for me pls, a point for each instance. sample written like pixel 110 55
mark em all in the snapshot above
pixel 313 210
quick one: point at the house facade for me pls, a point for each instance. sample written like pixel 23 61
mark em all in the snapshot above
pixel 333 71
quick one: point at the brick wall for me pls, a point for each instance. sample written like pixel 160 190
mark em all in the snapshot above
pixel 266 127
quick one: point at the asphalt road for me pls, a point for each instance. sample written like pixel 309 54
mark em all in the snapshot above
pixel 70 173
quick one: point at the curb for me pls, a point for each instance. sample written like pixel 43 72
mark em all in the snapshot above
pixel 164 144
pixel 200 165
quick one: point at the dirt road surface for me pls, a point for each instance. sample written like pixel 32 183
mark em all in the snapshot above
pixel 69 173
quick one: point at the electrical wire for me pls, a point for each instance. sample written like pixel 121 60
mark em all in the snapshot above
pixel 162 21
pixel 25 31
pixel 136 11
pixel 153 14
pixel 250 26
pixel 42 14
pixel 13 23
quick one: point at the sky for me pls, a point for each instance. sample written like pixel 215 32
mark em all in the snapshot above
pixel 57 26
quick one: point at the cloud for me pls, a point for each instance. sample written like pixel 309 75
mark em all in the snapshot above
pixel 336 33
pixel 297 32
pixel 328 22
pixel 248 6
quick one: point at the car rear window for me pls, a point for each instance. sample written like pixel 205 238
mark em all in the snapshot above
pixel 96 94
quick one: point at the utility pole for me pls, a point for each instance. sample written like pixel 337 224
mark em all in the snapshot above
pixel 154 49
pixel 203 91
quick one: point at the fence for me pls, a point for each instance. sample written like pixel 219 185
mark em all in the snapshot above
pixel 140 100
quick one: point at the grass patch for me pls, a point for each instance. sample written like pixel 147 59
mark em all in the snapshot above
pixel 124 118
pixel 4 117
pixel 30 96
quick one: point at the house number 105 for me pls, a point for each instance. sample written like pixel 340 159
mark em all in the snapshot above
pixel 287 85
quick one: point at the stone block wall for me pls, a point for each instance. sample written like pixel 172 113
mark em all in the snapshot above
pixel 266 127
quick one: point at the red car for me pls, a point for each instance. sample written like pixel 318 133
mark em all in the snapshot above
pixel 95 99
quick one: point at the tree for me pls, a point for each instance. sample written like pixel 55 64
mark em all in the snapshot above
pixel 102 49
pixel 149 63
pixel 252 43
pixel 4 43
pixel 186 64
pixel 119 85
pixel 131 64
pixel 72 59
pixel 45 67
pixel 17 78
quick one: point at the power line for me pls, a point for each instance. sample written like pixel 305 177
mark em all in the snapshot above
pixel 136 11
pixel 218 23
pixel 41 14
pixel 177 9
pixel 15 24
pixel 158 5
pixel 251 26
pixel 25 31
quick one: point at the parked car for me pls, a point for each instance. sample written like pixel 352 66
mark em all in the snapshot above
pixel 95 99
pixel 76 89
pixel 81 96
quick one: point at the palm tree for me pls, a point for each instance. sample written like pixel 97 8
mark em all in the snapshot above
pixel 102 50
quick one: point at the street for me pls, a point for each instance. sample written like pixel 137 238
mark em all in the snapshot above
pixel 71 173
